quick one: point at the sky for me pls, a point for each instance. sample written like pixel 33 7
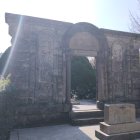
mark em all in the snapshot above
pixel 109 14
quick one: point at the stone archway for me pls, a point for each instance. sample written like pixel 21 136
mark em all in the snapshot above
pixel 42 39
pixel 84 39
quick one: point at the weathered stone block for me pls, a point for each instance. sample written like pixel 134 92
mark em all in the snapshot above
pixel 121 136
pixel 119 113
pixel 119 128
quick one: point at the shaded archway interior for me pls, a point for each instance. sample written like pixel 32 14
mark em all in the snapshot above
pixel 82 45
pixel 84 40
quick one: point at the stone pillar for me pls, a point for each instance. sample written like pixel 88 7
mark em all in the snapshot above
pixel 102 78
pixel 119 123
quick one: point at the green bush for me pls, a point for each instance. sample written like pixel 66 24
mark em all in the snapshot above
pixel 7 108
pixel 4 83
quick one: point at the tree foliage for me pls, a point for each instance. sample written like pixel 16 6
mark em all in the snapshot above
pixel 7 100
pixel 83 78
pixel 7 108
pixel 4 83
pixel 135 20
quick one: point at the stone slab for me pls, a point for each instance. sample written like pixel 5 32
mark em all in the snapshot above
pixel 119 113
pixel 121 136
pixel 119 128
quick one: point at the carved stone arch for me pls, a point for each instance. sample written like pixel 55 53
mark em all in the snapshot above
pixel 96 46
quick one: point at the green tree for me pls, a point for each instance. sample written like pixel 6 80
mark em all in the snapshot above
pixel 7 100
pixel 7 108
pixel 83 78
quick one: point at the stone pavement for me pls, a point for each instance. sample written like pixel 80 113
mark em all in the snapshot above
pixel 58 132
pixel 85 105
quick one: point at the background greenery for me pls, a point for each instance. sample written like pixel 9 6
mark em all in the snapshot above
pixel 83 78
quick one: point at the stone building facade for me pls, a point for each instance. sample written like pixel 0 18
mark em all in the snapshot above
pixel 40 65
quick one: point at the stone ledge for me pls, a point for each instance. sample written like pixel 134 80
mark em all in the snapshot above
pixel 122 136
pixel 119 128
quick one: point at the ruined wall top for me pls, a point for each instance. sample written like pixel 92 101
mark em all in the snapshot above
pixel 9 17
pixel 33 24
pixel 115 33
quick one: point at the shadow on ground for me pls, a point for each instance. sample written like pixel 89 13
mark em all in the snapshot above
pixel 58 132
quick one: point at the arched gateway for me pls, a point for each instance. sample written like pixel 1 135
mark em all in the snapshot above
pixel 84 39
pixel 40 65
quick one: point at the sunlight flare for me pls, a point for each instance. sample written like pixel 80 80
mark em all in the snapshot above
pixel 13 46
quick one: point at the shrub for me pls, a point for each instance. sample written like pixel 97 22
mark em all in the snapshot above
pixel 7 108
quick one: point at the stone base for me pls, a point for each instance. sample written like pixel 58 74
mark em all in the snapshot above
pixel 121 136
pixel 40 120
pixel 119 128
pixel 100 105
pixel 119 113
pixel 42 114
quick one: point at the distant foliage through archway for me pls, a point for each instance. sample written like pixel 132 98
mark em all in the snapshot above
pixel 83 78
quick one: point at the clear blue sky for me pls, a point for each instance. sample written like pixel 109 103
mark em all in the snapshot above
pixel 114 14
pixel 110 14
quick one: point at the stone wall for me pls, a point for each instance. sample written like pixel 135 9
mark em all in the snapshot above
pixel 124 66
pixel 40 65
pixel 37 68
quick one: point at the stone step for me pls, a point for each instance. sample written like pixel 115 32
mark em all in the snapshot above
pixel 135 135
pixel 119 128
pixel 86 114
pixel 87 121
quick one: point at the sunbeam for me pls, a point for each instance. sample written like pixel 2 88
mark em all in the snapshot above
pixel 13 46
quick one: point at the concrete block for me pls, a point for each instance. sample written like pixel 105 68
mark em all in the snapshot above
pixel 119 128
pixel 121 136
pixel 119 113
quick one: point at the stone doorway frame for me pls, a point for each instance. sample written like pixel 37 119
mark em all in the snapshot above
pixel 101 60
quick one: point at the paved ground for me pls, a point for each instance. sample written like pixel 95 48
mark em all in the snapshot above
pixel 58 132
pixel 85 105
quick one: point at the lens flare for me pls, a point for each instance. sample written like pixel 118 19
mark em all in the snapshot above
pixel 13 46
